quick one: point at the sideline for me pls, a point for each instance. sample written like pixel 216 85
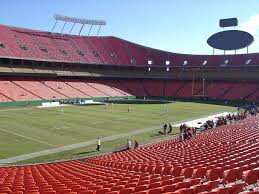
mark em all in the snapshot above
pixel 17 134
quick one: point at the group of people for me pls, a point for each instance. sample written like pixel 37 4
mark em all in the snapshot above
pixel 225 120
pixel 77 101
pixel 252 110
pixel 128 144
pixel 167 128
pixel 187 132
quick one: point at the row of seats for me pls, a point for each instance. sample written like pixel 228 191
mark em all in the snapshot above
pixel 222 160
pixel 31 44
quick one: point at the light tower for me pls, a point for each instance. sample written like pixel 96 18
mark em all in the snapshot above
pixel 82 22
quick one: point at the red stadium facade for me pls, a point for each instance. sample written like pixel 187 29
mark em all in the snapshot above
pixel 38 65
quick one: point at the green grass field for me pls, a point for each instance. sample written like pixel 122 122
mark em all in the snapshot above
pixel 27 130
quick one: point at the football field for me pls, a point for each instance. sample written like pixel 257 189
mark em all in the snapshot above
pixel 31 129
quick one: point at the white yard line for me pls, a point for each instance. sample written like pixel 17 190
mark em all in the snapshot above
pixel 15 159
pixel 39 141
pixel 15 109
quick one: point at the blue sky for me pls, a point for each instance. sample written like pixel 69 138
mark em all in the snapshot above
pixel 181 26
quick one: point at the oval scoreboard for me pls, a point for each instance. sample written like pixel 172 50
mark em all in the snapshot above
pixel 230 40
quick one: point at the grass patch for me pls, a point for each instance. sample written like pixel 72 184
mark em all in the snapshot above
pixel 27 130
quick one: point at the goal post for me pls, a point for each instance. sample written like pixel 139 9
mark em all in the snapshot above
pixel 201 91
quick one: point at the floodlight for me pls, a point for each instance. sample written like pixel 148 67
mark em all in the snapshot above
pixel 226 61
pixel 81 21
pixel 248 61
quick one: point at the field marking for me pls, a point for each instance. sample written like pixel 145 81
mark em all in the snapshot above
pixel 54 127
pixel 23 136
pixel 11 109
pixel 19 158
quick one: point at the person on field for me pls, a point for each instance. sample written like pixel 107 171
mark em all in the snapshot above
pixel 136 144
pixel 128 144
pixel 98 144
pixel 182 132
pixel 170 128
pixel 165 129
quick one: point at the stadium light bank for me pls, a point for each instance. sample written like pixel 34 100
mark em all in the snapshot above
pixel 75 21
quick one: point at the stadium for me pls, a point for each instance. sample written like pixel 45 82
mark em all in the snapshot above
pixel 97 114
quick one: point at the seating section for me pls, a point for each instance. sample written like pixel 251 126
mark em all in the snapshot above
pixel 25 89
pixel 173 87
pixel 109 91
pixel 39 89
pixel 4 98
pixel 118 87
pixel 220 160
pixel 64 89
pixel 31 44
pixel 13 92
pixel 213 89
pixel 135 87
pixel 85 88
pixel 154 87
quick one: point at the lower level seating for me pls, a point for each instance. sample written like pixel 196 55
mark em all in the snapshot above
pixel 39 89
pixel 14 92
pixel 4 98
pixel 24 89
pixel 213 89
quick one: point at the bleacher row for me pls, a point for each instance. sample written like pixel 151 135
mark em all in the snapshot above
pixel 19 43
pixel 223 160
pixel 25 89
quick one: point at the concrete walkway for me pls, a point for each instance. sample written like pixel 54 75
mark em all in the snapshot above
pixel 15 159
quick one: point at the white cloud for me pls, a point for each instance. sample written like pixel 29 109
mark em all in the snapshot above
pixel 251 25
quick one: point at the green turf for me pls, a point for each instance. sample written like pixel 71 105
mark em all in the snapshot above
pixel 49 128
pixel 106 147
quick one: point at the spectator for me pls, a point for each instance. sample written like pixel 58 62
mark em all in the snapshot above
pixel 98 144
pixel 165 128
pixel 128 144
pixel 136 144
pixel 185 135
pixel 170 128
pixel 189 133
pixel 181 132
pixel 194 131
